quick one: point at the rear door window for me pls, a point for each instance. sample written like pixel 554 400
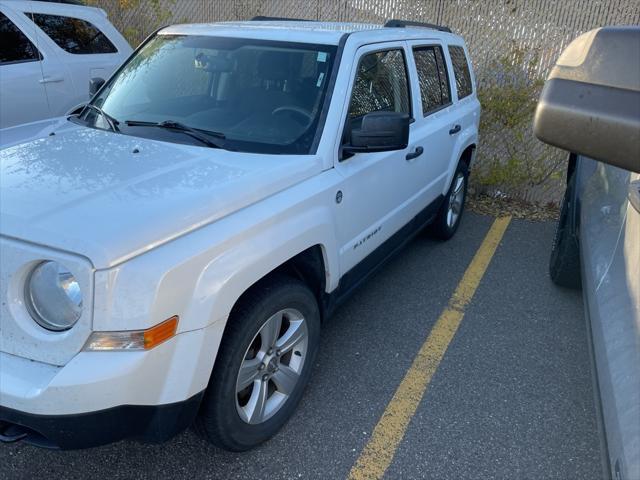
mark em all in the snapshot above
pixel 74 35
pixel 461 71
pixel 15 47
pixel 432 77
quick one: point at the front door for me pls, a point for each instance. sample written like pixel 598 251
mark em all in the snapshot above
pixel 378 194
pixel 23 97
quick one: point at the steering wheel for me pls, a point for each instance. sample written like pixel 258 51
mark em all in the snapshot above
pixel 299 112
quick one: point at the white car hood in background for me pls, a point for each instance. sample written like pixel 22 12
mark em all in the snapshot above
pixel 85 191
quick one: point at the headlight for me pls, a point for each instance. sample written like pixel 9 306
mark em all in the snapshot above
pixel 53 296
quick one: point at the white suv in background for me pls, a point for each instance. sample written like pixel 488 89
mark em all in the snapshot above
pixel 49 52
pixel 170 252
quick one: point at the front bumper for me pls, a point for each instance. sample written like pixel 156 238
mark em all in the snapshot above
pixel 101 397
pixel 152 424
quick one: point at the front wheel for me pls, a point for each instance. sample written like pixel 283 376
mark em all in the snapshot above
pixel 450 213
pixel 263 365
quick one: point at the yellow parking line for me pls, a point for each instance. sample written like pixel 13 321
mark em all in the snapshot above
pixel 388 433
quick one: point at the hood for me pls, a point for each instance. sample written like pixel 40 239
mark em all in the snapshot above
pixel 85 191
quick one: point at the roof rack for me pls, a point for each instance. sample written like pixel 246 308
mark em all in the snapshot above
pixel 395 23
pixel 262 18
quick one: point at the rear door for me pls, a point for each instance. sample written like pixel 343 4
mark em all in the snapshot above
pixel 23 97
pixel 465 98
pixel 435 128
pixel 83 52
pixel 86 46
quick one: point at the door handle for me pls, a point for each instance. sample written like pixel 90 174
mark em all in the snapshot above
pixel 415 154
pixel 455 130
pixel 49 79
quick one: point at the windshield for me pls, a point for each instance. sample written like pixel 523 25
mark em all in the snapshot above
pixel 244 94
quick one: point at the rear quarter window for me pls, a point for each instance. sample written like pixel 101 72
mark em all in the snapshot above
pixel 74 35
pixel 461 71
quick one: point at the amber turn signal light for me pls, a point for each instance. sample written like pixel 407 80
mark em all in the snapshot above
pixel 161 332
pixel 133 339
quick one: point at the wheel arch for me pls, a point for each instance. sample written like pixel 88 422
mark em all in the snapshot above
pixel 309 266
pixel 466 153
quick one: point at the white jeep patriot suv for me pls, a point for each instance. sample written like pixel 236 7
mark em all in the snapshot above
pixel 169 253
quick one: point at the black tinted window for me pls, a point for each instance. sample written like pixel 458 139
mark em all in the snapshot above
pixel 461 71
pixel 443 75
pixel 432 76
pixel 14 46
pixel 73 34
pixel 380 84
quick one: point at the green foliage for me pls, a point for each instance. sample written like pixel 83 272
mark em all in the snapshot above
pixel 137 18
pixel 155 15
pixel 510 157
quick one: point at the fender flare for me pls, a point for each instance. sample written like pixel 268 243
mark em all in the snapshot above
pixel 464 142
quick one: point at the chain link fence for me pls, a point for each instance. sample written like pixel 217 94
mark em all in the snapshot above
pixel 513 44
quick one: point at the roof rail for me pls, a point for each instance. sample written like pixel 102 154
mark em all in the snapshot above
pixel 395 23
pixel 262 18
pixel 68 2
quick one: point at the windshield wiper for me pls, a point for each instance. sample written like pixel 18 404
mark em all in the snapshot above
pixel 112 122
pixel 197 133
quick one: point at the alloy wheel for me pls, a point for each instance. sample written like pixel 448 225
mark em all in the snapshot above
pixel 271 366
pixel 456 200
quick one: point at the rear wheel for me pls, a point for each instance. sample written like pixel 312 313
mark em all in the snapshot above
pixel 450 213
pixel 263 365
pixel 564 264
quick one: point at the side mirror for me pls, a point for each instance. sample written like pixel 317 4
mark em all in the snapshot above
pixel 95 84
pixel 77 109
pixel 590 103
pixel 380 132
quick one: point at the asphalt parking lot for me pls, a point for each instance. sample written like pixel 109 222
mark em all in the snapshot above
pixel 510 398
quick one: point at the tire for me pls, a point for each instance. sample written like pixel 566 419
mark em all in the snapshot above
pixel 445 225
pixel 564 264
pixel 230 417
